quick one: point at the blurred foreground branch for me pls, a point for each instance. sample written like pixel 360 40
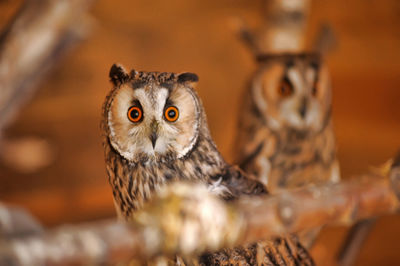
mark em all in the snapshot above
pixel 15 221
pixel 40 33
pixel 187 220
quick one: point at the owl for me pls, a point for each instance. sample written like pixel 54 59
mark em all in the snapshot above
pixel 155 132
pixel 285 135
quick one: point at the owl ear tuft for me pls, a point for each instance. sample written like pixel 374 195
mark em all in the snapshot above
pixel 187 77
pixel 118 74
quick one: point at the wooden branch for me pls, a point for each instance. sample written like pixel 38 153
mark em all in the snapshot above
pixel 354 241
pixel 40 33
pixel 359 232
pixel 304 209
pixel 104 242
pixel 186 219
pixel 17 222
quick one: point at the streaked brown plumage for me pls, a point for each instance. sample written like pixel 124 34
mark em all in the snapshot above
pixel 141 157
pixel 285 134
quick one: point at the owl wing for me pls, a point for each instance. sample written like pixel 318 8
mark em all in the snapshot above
pixel 279 251
pixel 232 183
pixel 255 152
pixel 251 142
pixel 285 250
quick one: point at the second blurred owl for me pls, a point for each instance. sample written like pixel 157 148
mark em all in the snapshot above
pixel 285 129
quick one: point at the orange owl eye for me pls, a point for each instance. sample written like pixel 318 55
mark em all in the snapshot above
pixel 285 89
pixel 135 114
pixel 171 114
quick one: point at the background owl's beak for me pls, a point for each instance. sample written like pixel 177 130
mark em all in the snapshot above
pixel 153 138
pixel 303 108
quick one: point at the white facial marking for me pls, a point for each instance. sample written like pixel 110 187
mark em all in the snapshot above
pixel 260 100
pixel 258 96
pixel 310 75
pixel 153 111
pixel 133 140
pixel 183 150
pixel 289 108
pixel 297 80
pixel 303 89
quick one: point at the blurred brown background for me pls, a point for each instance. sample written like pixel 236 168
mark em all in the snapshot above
pixel 199 36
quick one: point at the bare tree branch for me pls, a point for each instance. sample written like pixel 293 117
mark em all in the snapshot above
pixel 186 219
pixel 354 241
pixel 40 33
pixel 357 235
pixel 103 242
pixel 343 203
pixel 15 221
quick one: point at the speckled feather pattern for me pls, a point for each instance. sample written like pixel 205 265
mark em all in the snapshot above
pixel 134 183
pixel 286 157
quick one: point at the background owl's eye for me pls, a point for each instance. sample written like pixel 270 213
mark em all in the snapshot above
pixel 285 89
pixel 135 114
pixel 171 114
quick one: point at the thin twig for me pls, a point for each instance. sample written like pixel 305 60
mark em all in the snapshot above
pixel 354 241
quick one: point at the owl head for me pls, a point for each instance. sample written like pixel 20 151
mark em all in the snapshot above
pixel 292 91
pixel 151 116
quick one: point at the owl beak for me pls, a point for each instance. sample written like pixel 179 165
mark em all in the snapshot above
pixel 303 108
pixel 153 138
pixel 153 135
